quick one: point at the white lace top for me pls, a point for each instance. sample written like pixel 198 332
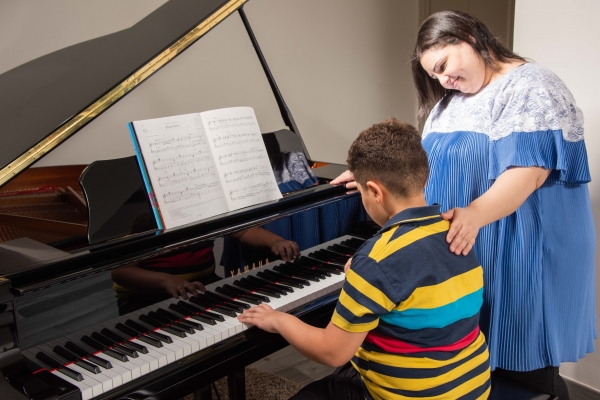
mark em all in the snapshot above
pixel 527 99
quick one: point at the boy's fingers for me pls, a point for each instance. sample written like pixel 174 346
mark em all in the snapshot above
pixel 351 185
pixel 199 286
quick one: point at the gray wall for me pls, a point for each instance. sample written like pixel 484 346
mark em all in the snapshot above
pixel 341 65
pixel 565 39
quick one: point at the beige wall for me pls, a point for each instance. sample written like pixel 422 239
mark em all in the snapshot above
pixel 341 65
pixel 563 36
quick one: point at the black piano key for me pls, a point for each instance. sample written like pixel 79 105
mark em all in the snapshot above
pixel 152 322
pixel 124 341
pixel 67 355
pixel 271 285
pixel 51 362
pixel 64 353
pixel 343 250
pixel 199 309
pixel 88 366
pixel 154 335
pixel 310 263
pixel 248 285
pixel 313 276
pixel 227 300
pixel 217 309
pixel 141 337
pixel 239 294
pixel 91 358
pixel 288 280
pixel 333 255
pixel 179 320
pixel 115 347
pixel 247 293
pixel 354 243
pixel 117 355
pixel 175 325
pixel 326 259
pixel 99 361
pixel 197 317
pixel 321 272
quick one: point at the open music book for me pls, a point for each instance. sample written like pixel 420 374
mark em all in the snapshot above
pixel 196 166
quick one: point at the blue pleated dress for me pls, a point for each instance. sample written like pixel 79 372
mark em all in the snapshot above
pixel 539 300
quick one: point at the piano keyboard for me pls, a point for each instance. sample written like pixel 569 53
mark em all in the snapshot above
pixel 110 354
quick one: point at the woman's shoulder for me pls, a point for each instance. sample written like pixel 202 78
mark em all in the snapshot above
pixel 533 76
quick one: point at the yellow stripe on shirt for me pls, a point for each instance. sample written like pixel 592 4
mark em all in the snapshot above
pixel 385 248
pixel 353 306
pixel 341 323
pixel 457 392
pixel 444 293
pixel 369 290
pixel 417 384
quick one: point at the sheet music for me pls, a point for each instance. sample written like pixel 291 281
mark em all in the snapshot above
pixel 240 156
pixel 181 168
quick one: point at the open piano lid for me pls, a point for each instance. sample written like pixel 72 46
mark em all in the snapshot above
pixel 45 101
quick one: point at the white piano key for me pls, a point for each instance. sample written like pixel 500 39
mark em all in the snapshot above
pixel 84 388
pixel 142 360
pixel 104 381
pixel 123 373
pixel 133 368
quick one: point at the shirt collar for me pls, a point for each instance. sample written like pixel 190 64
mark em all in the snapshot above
pixel 414 214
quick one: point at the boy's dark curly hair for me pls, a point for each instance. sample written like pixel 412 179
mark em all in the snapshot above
pixel 391 153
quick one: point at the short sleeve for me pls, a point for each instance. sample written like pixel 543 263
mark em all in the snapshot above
pixel 535 122
pixel 366 295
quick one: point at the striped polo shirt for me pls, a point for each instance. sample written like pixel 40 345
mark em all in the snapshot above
pixel 420 304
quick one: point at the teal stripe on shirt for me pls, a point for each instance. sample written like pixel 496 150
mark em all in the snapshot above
pixel 421 318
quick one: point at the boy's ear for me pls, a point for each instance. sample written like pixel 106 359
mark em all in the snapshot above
pixel 375 189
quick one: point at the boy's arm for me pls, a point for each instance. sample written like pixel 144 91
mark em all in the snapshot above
pixel 331 346
pixel 137 279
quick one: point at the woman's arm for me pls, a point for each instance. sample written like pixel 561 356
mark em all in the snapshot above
pixel 331 346
pixel 508 193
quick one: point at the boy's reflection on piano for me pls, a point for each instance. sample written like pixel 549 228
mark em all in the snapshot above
pixel 186 271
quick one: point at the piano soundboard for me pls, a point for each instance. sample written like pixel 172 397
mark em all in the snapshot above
pixel 105 356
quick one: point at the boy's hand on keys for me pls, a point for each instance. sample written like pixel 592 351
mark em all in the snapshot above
pixel 347 266
pixel 262 316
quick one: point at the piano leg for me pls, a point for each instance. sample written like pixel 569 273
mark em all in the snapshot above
pixel 236 383
pixel 203 394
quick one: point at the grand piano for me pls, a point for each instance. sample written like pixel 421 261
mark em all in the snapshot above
pixel 64 229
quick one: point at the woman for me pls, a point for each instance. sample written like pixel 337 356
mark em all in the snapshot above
pixel 508 162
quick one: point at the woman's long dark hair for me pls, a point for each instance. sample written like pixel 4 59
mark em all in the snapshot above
pixel 451 28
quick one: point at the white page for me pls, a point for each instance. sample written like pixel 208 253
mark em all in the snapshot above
pixel 240 156
pixel 181 168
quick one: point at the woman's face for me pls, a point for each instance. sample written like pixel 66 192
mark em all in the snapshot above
pixel 457 67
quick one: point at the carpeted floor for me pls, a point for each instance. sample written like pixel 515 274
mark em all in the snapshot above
pixel 260 385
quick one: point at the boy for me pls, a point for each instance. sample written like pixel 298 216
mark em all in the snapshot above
pixel 407 317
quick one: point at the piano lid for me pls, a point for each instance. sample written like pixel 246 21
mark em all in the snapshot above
pixel 45 101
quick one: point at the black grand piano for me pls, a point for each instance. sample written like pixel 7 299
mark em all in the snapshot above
pixel 64 229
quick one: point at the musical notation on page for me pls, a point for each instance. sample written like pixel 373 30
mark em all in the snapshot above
pixel 205 164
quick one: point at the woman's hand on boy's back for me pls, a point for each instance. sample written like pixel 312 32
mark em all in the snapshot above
pixel 464 228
